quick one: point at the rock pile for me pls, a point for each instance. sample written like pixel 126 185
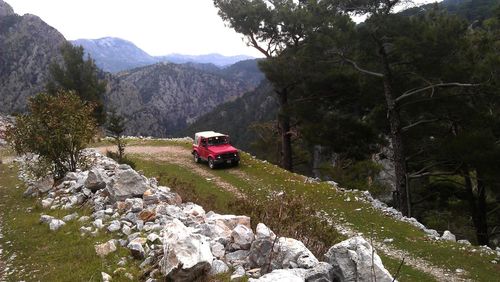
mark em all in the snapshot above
pixel 5 121
pixel 181 241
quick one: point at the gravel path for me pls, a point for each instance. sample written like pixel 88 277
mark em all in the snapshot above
pixel 182 157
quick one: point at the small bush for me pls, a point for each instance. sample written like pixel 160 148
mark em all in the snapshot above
pixel 120 160
pixel 57 128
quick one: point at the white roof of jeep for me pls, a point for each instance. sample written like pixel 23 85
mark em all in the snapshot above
pixel 208 134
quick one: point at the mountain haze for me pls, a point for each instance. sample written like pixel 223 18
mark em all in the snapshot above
pixel 115 54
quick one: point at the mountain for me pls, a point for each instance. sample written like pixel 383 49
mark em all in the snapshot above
pixel 114 54
pixel 471 10
pixel 162 99
pixel 27 46
pixel 216 59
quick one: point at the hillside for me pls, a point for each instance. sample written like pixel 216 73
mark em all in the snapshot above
pixel 255 188
pixel 27 46
pixel 161 99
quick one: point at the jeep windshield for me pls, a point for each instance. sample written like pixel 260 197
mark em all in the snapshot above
pixel 218 140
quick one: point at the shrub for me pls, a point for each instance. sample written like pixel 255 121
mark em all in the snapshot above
pixel 57 128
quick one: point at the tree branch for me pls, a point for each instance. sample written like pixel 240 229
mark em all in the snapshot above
pixel 256 45
pixel 406 128
pixel 355 65
pixel 439 85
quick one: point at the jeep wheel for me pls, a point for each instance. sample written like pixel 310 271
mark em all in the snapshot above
pixel 196 157
pixel 236 163
pixel 211 163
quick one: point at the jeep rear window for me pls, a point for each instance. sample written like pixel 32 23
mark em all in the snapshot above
pixel 219 140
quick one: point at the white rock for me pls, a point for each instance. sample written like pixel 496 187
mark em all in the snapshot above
pixel 55 224
pixel 242 237
pixel 136 249
pixel 46 203
pixel 239 272
pixel 46 218
pixel 126 230
pixel 153 237
pixel 105 277
pixel 447 235
pixel 352 261
pixel 218 267
pixel 186 254
pixel 136 204
pixel 104 249
pixel 281 275
pixel 70 217
pixel 218 250
pixel 292 253
pixel 98 223
pixel 263 232
pixel 114 226
pixel 84 218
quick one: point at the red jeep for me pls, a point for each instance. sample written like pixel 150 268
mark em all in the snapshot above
pixel 214 148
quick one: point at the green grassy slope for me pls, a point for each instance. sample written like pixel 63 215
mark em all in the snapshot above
pixel 256 179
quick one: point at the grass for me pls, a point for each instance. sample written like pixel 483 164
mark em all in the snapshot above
pixel 256 179
pixel 43 255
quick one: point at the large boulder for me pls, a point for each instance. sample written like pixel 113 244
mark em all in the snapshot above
pixel 291 253
pixel 95 180
pixel 127 184
pixel 187 255
pixel 355 260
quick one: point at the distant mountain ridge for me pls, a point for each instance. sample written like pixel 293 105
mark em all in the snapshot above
pixel 115 54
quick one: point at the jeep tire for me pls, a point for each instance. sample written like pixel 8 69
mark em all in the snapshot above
pixel 211 163
pixel 196 157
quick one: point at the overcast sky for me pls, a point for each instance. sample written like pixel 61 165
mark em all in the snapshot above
pixel 159 27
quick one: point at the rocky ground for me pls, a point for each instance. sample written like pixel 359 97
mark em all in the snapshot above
pixel 182 241
pixel 180 156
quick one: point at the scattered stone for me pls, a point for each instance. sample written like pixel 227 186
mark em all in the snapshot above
pixel 292 253
pixel 136 249
pixel 46 203
pixel 218 267
pixel 114 226
pixel 105 249
pixel 105 277
pixel 239 272
pixel 70 217
pixel 84 218
pixel 55 224
pixel 46 218
pixel 218 250
pixel 388 240
pixel 147 215
pixel 464 242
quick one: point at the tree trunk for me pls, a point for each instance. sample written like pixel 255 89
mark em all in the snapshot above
pixel 401 196
pixel 284 130
pixel 482 224
pixel 477 208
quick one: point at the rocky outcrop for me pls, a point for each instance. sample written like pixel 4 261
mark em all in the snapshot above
pixel 27 47
pixel 180 241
